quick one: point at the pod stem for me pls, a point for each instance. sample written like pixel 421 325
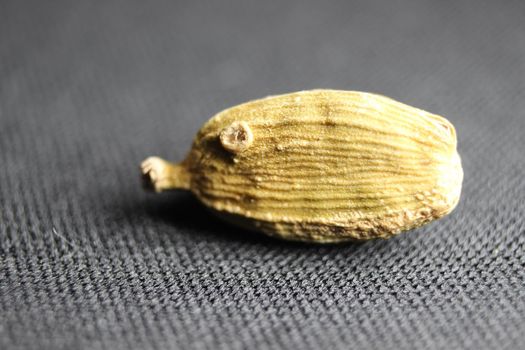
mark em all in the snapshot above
pixel 160 175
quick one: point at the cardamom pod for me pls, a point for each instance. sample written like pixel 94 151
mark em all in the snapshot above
pixel 321 166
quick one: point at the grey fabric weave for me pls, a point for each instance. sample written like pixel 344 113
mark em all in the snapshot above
pixel 89 261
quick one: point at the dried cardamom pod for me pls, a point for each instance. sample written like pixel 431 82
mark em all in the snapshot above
pixel 320 165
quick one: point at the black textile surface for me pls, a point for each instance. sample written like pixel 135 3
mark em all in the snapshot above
pixel 89 261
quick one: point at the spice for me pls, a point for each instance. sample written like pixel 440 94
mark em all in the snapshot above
pixel 320 165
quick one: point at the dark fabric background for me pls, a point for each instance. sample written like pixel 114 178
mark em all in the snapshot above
pixel 89 261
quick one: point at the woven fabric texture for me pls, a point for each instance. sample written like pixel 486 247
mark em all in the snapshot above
pixel 88 260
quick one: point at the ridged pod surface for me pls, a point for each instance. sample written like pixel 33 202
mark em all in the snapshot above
pixel 321 165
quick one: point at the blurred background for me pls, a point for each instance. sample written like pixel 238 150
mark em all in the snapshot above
pixel 88 260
